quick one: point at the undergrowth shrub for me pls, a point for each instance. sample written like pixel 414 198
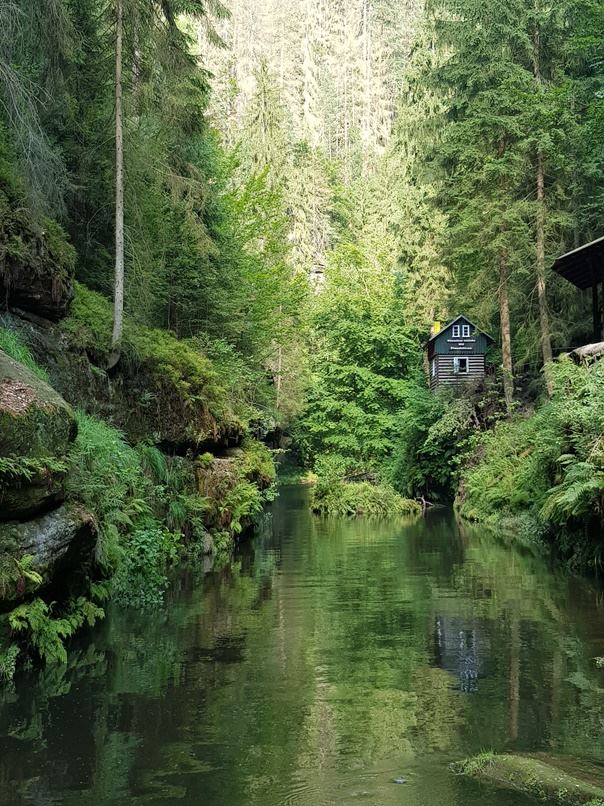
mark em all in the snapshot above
pixel 432 437
pixel 107 476
pixel 335 493
pixel 360 498
pixel 549 464
pixel 177 369
pixel 17 576
pixel 141 579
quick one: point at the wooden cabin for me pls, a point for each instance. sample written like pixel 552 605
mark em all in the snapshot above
pixel 457 353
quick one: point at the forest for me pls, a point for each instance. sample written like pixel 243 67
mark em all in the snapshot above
pixel 231 225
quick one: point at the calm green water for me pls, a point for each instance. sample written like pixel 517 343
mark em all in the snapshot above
pixel 329 659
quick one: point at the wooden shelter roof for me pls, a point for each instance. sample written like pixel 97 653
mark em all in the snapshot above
pixel 583 267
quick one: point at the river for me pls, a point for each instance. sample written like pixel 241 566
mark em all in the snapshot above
pixel 330 658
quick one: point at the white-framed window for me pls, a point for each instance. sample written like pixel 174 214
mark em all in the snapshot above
pixel 460 366
pixel 456 331
pixel 434 367
pixel 465 331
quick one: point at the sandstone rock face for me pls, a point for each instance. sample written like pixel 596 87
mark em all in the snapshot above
pixel 36 260
pixel 57 543
pixel 40 291
pixel 37 429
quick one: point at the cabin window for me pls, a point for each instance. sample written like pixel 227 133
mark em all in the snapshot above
pixel 456 331
pixel 434 367
pixel 460 366
pixel 465 331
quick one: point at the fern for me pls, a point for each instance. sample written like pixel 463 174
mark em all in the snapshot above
pixel 17 575
pixel 20 467
pixel 579 495
pixel 46 634
pixel 8 662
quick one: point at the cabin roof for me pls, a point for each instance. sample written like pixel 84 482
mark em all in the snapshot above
pixel 453 322
pixel 583 267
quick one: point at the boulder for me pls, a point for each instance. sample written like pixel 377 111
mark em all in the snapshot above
pixel 54 545
pixel 37 429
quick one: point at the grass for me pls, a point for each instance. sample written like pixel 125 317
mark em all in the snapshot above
pixel 12 345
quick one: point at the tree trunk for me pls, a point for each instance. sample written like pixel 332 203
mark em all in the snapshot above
pixel 546 343
pixel 367 88
pixel 506 339
pixel 118 297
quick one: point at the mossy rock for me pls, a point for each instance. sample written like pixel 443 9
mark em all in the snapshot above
pixel 51 547
pixel 556 779
pixel 37 429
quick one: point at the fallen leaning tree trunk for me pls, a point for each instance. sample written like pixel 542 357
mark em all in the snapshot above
pixel 556 779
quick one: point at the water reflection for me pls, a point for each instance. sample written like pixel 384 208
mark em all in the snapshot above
pixel 330 658
pixel 462 647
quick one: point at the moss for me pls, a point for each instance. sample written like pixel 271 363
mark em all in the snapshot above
pixel 35 421
pixel 555 779
pixel 168 383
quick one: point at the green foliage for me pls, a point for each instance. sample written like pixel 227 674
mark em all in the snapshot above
pixel 13 468
pixel 433 431
pixel 148 506
pixel 549 463
pixel 46 632
pixel 17 575
pixel 177 370
pixel 8 662
pixel 361 352
pixel 475 764
pixel 258 465
pixel 12 345
pixel 335 493
pixel 107 476
pixel 240 505
pixel 360 499
pixel 141 577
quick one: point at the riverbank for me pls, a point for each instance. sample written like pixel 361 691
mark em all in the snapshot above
pixel 107 480
pixel 540 473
